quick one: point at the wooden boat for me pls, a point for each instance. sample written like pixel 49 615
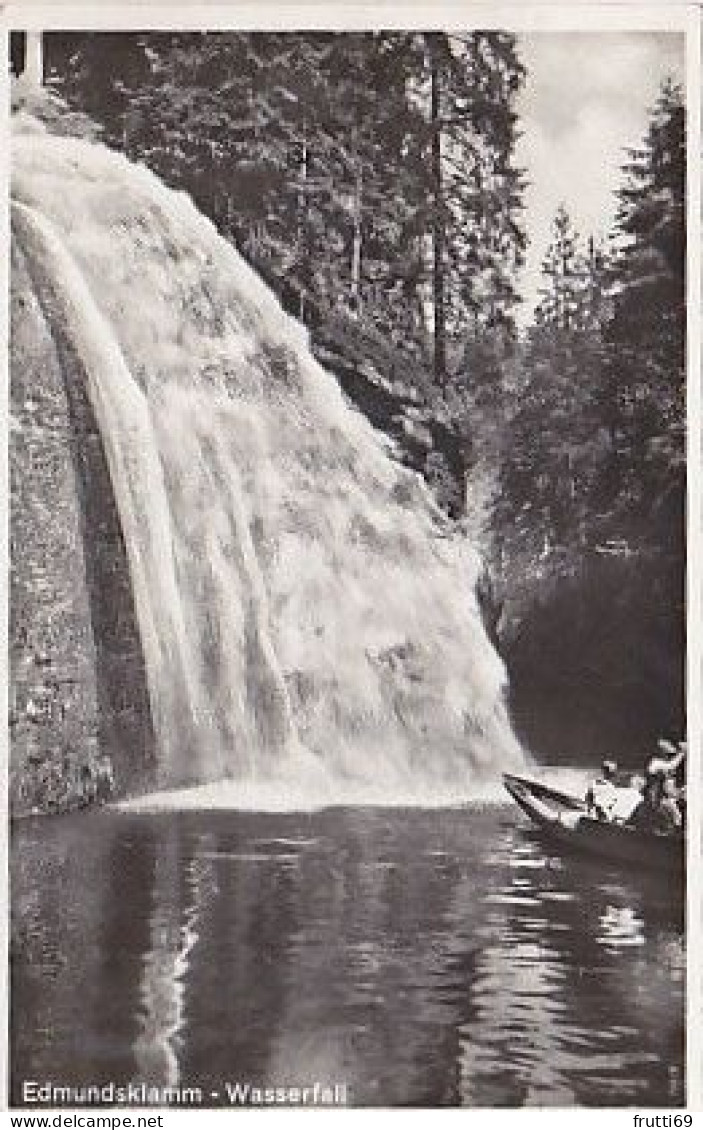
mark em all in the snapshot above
pixel 565 820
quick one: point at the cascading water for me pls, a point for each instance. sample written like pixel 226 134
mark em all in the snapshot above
pixel 307 615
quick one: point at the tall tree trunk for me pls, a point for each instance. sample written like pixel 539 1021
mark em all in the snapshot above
pixel 302 236
pixel 356 243
pixel 438 280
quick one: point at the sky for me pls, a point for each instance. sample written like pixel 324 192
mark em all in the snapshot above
pixel 586 98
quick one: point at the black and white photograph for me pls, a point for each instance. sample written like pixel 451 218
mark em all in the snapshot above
pixel 348 724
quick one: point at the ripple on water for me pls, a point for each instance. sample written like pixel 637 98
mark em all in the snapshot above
pixel 425 975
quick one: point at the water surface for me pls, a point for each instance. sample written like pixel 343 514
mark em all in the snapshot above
pixel 420 957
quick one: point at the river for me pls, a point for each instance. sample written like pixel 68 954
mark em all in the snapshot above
pixel 414 956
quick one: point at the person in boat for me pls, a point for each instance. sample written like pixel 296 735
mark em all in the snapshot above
pixel 659 810
pixel 612 797
pixel 670 768
pixel 656 812
pixel 670 764
pixel 601 797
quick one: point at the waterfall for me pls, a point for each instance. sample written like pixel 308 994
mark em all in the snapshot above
pixel 307 614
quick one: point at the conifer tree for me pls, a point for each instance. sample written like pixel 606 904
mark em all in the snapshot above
pixel 644 394
pixel 555 441
pixel 368 172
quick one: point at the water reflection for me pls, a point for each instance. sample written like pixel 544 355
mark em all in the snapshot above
pixel 556 996
pixel 620 926
pixel 173 933
pixel 419 957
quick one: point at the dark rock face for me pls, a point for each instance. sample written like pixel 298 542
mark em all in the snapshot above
pixel 423 441
pixel 79 711
pixel 391 390
pixel 596 660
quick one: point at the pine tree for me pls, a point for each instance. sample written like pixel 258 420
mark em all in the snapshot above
pixel 473 193
pixel 554 445
pixel 564 277
pixel 438 62
pixel 489 240
pixel 643 397
pixel 369 172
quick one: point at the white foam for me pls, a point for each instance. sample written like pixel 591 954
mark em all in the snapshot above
pixel 309 621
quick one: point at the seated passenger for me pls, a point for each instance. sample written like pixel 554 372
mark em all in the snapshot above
pixel 614 796
pixel 657 811
pixel 602 794
pixel 670 765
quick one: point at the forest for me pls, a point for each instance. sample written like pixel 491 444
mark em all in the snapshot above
pixel 372 180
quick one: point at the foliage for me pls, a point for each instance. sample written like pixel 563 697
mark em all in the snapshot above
pixel 588 519
pixel 643 480
pixel 594 452
pixel 555 440
pixel 371 171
